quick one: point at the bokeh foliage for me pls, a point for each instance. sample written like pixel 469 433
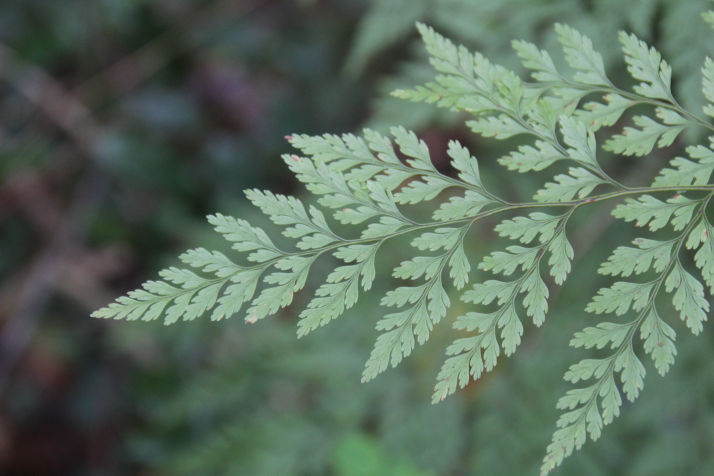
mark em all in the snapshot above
pixel 177 132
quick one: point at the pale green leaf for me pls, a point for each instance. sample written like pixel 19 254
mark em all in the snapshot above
pixel 687 297
pixel 581 141
pixel 658 339
pixel 528 158
pixel 581 56
pixel 596 115
pixel 603 334
pixel 506 262
pixel 683 172
pixel 649 254
pixel 537 60
pixel 640 140
pixel 498 127
pixel 461 207
pixel 620 297
pixel 646 64
pixel 535 300
pixel 465 163
pixel 578 183
pixel 632 373
pixel 561 256
pixel 648 210
pixel 526 229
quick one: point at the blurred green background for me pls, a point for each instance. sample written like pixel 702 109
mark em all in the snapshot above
pixel 124 122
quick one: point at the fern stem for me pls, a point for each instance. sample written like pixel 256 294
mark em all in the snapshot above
pixel 672 104
pixel 414 226
pixel 453 181
pixel 597 170
pixel 507 206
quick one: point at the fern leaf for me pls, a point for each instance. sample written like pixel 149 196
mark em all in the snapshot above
pixel 581 56
pixel 597 115
pixel 642 139
pixel 684 172
pixel 646 65
pixel 537 60
pixel 687 297
pixel 649 254
pixel 528 158
pixel 578 183
pixel 648 210
pixel 703 235
pixel 658 338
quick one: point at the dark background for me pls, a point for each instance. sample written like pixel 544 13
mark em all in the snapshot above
pixel 124 122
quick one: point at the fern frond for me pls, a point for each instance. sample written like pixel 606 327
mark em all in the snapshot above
pixel 363 188
pixel 588 409
pixel 471 356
